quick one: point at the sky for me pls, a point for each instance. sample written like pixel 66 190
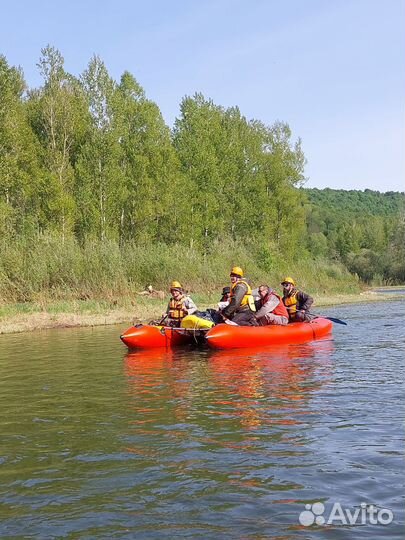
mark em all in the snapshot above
pixel 334 70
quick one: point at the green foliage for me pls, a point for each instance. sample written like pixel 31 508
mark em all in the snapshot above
pixel 59 117
pixel 360 228
pixel 355 202
pixel 318 244
pixel 55 267
pixel 241 175
pixel 20 172
pixel 98 196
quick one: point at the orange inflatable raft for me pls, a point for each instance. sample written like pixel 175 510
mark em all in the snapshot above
pixel 149 337
pixel 224 336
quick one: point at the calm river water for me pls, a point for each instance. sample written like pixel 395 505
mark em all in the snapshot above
pixel 99 443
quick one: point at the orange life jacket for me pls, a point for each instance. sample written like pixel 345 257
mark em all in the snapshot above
pixel 176 308
pixel 280 309
pixel 290 303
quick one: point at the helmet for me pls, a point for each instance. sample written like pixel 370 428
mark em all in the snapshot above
pixel 175 285
pixel 237 271
pixel 288 280
pixel 226 290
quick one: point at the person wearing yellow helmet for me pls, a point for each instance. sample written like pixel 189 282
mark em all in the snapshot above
pixel 241 307
pixel 288 280
pixel 179 305
pixel 297 302
pixel 236 271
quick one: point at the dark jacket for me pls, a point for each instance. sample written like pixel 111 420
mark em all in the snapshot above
pixel 234 306
pixel 304 301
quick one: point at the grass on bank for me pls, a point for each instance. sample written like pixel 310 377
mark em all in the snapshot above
pixel 51 269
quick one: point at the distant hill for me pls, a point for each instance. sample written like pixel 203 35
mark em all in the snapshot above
pixel 363 229
pixel 367 202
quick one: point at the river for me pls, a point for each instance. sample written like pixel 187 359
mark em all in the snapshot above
pixel 99 443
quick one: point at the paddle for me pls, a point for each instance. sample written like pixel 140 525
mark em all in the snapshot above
pixel 337 321
pixel 156 323
pixel 333 319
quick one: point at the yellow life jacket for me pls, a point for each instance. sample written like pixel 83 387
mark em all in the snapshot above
pixel 248 299
pixel 290 303
pixel 176 308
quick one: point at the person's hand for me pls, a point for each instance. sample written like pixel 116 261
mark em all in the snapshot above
pixel 185 311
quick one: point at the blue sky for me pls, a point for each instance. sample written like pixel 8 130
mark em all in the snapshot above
pixel 334 70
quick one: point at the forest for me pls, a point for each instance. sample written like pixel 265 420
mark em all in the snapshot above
pixel 99 196
pixel 363 229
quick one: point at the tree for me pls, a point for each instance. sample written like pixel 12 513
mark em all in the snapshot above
pixel 154 185
pixel 197 137
pixel 58 115
pixel 19 168
pixel 283 166
pixel 99 177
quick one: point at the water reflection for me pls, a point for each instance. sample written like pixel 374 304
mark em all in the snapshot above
pixel 255 387
pixel 227 425
pixel 265 382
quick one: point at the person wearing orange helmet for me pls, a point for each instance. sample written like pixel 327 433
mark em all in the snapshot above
pixel 179 305
pixel 241 307
pixel 297 302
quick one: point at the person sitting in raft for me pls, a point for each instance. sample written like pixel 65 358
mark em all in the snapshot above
pixel 297 302
pixel 179 305
pixel 241 307
pixel 225 298
pixel 270 308
pixel 215 315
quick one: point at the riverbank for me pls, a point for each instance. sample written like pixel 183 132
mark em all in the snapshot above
pixel 28 317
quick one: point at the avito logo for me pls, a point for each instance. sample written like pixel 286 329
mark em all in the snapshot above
pixel 365 513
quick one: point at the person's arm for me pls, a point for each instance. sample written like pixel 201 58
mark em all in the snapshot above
pixel 190 306
pixel 239 293
pixel 305 301
pixel 268 307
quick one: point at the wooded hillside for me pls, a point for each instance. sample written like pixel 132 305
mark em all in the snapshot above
pixel 90 172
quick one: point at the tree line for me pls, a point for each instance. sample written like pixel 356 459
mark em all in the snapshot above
pixel 89 156
pixel 363 229
pixel 89 159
